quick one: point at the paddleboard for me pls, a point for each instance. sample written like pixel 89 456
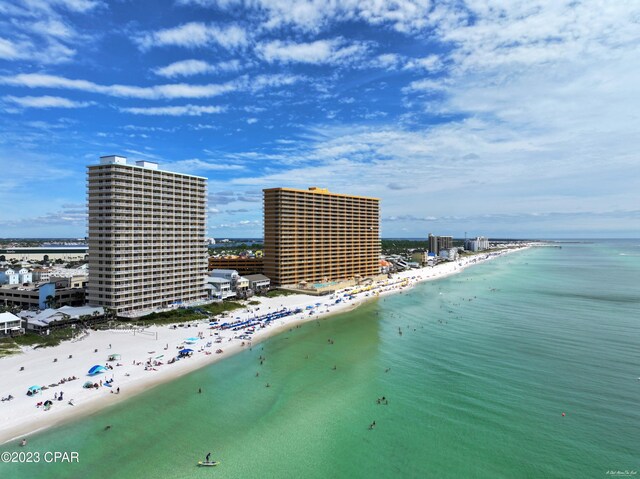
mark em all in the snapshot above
pixel 211 463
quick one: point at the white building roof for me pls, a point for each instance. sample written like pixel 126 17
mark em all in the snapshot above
pixel 8 317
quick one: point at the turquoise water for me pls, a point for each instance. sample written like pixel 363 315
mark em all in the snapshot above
pixel 477 382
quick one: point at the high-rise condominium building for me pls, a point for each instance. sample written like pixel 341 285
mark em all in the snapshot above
pixel 317 236
pixel 147 244
pixel 439 243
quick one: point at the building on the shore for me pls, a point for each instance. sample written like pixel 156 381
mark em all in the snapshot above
pixel 61 317
pixel 10 324
pixel 314 237
pixel 241 264
pixel 437 243
pixel 147 243
pixel 420 257
pixel 480 243
pixel 40 296
pixel 258 283
pixel 219 288
pixel 450 254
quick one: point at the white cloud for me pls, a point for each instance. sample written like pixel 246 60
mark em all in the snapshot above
pixel 8 49
pixel 319 52
pixel 195 34
pixel 426 85
pixel 315 15
pixel 45 102
pixel 168 91
pixel 184 110
pixel 38 30
pixel 431 63
pixel 184 68
pixel 196 67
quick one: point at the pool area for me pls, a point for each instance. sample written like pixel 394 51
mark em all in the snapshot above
pixel 324 285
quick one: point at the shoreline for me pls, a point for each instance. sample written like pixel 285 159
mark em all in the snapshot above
pixel 21 418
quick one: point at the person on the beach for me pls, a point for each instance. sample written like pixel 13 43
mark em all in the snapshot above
pixel 23 442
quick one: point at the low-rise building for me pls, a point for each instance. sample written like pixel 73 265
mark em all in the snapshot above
pixel 450 254
pixel 78 281
pixel 40 296
pixel 41 275
pixel 219 288
pixel 46 253
pixel 258 282
pixel 9 276
pixel 420 257
pixel 24 276
pixel 60 316
pixel 10 324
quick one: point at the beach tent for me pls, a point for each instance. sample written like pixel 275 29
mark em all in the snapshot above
pixel 33 390
pixel 114 357
pixel 96 369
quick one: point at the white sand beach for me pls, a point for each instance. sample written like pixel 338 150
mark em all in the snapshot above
pixel 132 374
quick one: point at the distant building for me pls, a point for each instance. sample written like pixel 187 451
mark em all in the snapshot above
pixel 479 243
pixel 315 237
pixel 147 246
pixel 79 281
pixel 44 253
pixel 437 243
pixel 449 254
pixel 420 257
pixel 9 276
pixel 242 265
pixel 41 275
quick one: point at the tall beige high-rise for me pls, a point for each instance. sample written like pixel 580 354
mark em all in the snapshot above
pixel 147 246
pixel 317 236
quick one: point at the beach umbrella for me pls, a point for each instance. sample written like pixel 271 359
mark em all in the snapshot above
pixel 35 388
pixel 96 369
pixel 186 351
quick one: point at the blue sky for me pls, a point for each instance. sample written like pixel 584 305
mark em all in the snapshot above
pixel 496 117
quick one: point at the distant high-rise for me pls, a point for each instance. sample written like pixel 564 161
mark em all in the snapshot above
pixel 147 244
pixel 316 236
pixel 439 243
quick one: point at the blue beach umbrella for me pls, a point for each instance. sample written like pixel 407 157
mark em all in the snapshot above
pixel 35 388
pixel 186 351
pixel 96 369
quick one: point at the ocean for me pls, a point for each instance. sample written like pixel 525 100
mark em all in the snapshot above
pixel 477 370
